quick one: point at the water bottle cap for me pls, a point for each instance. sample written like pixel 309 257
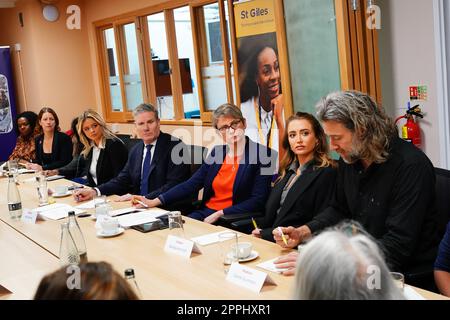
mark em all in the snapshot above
pixel 129 272
pixel 71 213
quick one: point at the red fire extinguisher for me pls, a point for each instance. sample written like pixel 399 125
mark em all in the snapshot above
pixel 411 130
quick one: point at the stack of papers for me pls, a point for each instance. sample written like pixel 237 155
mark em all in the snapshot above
pixel 133 219
pixel 208 238
pixel 56 211
pixel 270 266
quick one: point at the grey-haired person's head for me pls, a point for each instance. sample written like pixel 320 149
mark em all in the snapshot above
pixel 145 107
pixel 359 113
pixel 227 109
pixel 338 265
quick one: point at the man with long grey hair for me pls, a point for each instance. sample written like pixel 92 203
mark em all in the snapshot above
pixel 384 182
pixel 341 264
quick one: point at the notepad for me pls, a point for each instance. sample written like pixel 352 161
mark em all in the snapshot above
pixel 133 219
pixel 270 266
pixel 209 238
pixel 56 211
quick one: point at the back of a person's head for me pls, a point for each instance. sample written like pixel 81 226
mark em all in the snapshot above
pixel 97 281
pixel 338 266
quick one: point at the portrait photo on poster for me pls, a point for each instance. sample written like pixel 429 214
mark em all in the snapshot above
pixel 6 119
pixel 260 88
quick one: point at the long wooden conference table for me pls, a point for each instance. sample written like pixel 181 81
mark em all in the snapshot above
pixel 29 251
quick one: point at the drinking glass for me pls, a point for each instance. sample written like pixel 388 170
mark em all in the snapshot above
pixel 176 224
pixel 101 210
pixel 228 249
pixel 13 168
pixel 42 189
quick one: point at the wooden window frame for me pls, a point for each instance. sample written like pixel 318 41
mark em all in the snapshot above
pixel 139 17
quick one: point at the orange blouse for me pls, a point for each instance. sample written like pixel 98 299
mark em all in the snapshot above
pixel 223 185
pixel 24 150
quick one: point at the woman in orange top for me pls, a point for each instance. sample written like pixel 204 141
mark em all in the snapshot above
pixel 236 176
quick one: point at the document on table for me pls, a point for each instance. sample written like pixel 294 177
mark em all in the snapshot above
pixel 270 266
pixel 208 238
pixel 55 177
pixel 133 219
pixel 411 294
pixel 90 204
pixel 56 211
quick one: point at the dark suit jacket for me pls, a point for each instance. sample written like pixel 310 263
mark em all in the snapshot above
pixel 250 187
pixel 61 151
pixel 110 162
pixel 165 172
pixel 308 196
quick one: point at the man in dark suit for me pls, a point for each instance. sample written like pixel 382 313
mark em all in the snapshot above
pixel 152 167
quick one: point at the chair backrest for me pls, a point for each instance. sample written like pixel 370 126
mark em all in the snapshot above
pixel 442 198
pixel 128 141
pixel 197 156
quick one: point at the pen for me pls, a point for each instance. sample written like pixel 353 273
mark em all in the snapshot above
pixel 141 203
pixel 282 235
pixel 254 224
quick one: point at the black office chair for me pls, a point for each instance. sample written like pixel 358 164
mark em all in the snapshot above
pixel 128 141
pixel 239 222
pixel 442 199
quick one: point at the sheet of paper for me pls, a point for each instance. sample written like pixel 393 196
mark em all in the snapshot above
pixel 89 204
pixel 208 238
pixel 134 219
pixel 56 211
pixel 55 177
pixel 270 266
pixel 411 294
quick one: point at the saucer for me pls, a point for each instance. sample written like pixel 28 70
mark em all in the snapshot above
pixel 58 195
pixel 253 255
pixel 101 234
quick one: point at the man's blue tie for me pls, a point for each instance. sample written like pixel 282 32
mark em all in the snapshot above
pixel 146 170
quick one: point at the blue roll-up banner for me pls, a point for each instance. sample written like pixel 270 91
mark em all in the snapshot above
pixel 7 105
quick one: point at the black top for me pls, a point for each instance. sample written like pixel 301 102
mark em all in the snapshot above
pixel 308 196
pixel 110 162
pixel 46 158
pixel 61 151
pixel 395 202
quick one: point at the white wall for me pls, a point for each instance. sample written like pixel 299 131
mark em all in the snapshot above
pixel 408 57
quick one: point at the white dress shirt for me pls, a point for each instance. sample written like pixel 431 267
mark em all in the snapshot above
pixel 95 154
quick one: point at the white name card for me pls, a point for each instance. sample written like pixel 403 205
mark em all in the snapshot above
pixel 180 246
pixel 248 278
pixel 29 216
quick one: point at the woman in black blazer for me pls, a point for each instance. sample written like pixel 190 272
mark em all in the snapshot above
pixel 53 148
pixel 307 177
pixel 105 154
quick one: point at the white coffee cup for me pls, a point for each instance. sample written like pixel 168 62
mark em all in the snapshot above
pixel 61 190
pixel 109 225
pixel 244 249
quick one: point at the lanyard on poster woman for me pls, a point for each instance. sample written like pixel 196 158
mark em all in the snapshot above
pixel 258 122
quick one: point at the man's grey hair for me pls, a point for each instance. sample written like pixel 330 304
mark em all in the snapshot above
pixel 145 107
pixel 338 266
pixel 226 109
pixel 359 113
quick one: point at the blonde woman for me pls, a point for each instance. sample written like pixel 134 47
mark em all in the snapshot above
pixel 104 152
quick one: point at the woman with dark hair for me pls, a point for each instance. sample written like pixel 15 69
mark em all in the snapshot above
pixel 262 101
pixel 53 148
pixel 98 281
pixel 306 181
pixel 25 150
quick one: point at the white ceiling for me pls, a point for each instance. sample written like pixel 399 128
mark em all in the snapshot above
pixel 7 3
